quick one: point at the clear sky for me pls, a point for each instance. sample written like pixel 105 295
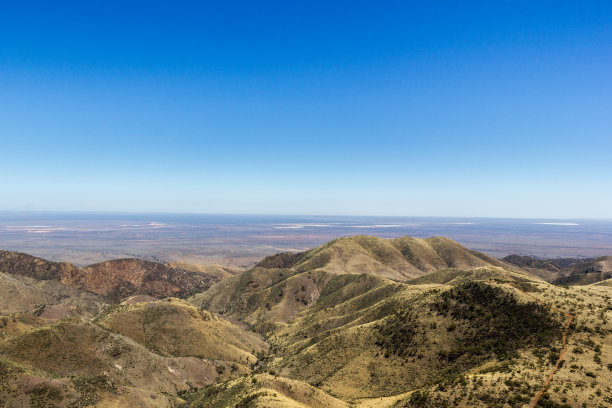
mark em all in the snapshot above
pixel 458 108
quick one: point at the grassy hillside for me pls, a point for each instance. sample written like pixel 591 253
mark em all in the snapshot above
pixel 398 259
pixel 16 323
pixel 264 391
pixel 107 366
pixel 565 271
pixel 23 294
pixel 26 387
pixel 583 377
pixel 607 282
pixel 453 276
pixel 587 272
pixel 365 330
pixel 173 327
pixel 218 271
pixel 261 297
pixel 282 286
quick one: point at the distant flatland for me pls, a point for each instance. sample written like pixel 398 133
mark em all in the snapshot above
pixel 238 242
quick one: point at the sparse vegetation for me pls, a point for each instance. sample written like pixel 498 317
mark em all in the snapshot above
pixel 453 337
pixel 495 323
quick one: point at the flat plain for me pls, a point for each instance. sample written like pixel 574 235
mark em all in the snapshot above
pixel 240 241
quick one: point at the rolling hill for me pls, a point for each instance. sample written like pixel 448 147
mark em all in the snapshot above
pixel 218 271
pixel 365 330
pixel 398 259
pixel 23 294
pixel 261 296
pixel 281 286
pixel 590 271
pixel 173 327
pixel 476 337
pixel 75 351
pixel 264 391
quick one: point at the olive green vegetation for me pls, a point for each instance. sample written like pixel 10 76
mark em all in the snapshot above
pixel 399 259
pixel 281 286
pixel 360 321
pixel 366 330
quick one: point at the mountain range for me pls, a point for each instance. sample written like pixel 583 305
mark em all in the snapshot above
pixel 357 322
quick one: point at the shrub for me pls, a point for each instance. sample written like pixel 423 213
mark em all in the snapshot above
pixel 498 323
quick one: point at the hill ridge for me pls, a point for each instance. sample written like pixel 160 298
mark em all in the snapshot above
pixel 397 258
pixel 113 279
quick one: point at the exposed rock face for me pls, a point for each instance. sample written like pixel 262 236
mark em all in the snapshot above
pixel 115 280
pixel 121 278
pixel 18 263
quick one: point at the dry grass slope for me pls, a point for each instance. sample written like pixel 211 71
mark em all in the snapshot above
pixel 262 297
pixel 264 391
pixel 74 348
pixel 284 285
pixel 23 294
pixel 371 337
pixel 399 259
pixel 173 327
pixel 218 271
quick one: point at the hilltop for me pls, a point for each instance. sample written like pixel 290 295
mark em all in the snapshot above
pixel 455 333
pixel 399 259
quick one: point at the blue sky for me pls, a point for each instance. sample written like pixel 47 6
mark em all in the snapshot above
pixel 361 108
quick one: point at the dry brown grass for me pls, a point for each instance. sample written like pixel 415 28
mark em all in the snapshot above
pixel 265 391
pixel 173 327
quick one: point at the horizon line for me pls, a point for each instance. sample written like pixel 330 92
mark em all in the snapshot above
pixel 186 213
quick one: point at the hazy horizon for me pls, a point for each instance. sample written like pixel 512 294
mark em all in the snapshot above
pixel 241 240
pixel 280 214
